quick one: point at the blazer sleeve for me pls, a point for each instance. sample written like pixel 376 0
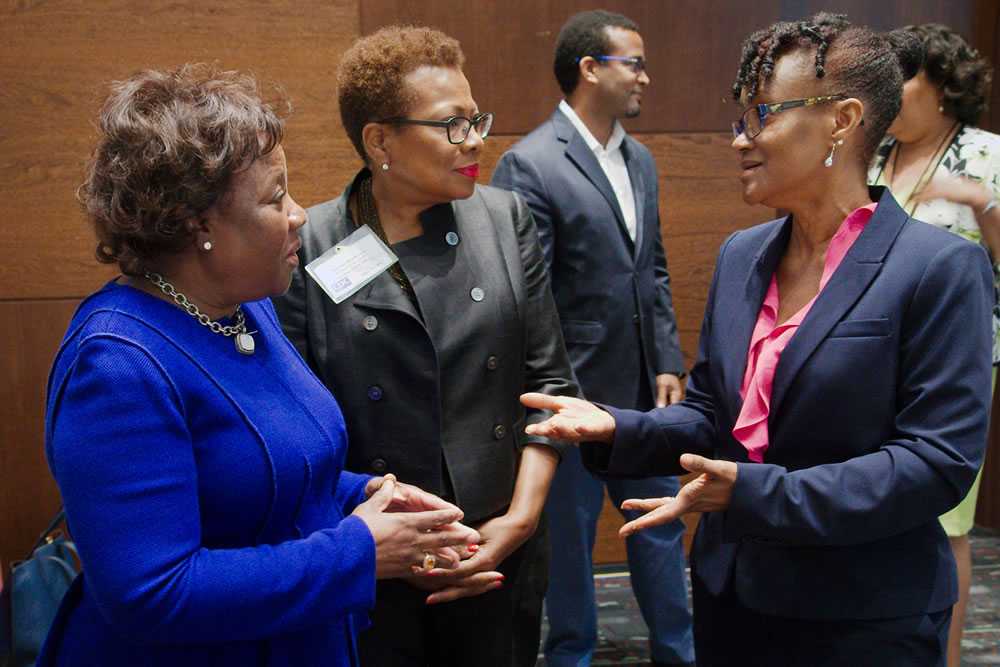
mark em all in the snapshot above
pixel 130 487
pixel 519 175
pixel 669 358
pixel 350 491
pixel 547 366
pixel 651 443
pixel 940 429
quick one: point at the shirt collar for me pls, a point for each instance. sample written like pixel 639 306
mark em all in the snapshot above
pixel 614 141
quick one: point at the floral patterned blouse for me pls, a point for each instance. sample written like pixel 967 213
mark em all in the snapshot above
pixel 973 154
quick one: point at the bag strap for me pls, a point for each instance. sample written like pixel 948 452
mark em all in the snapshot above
pixel 58 519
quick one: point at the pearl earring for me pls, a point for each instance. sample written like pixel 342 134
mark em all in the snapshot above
pixel 828 162
pixel 940 108
pixel 385 166
pixel 206 246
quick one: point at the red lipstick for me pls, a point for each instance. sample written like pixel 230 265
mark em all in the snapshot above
pixel 472 171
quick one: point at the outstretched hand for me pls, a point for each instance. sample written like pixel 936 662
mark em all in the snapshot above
pixel 710 491
pixel 574 420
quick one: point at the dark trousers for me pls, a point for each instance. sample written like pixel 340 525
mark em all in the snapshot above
pixel 727 633
pixel 501 628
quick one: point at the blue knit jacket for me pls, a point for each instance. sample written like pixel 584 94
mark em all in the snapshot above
pixel 206 495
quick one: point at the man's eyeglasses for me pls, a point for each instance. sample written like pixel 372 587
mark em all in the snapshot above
pixel 458 127
pixel 637 63
pixel 752 120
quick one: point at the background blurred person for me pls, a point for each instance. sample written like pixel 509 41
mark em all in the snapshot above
pixel 200 462
pixel 429 358
pixel 594 192
pixel 946 171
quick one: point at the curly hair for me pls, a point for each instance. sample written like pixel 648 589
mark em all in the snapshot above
pixel 370 81
pixel 853 60
pixel 170 141
pixel 582 35
pixel 964 78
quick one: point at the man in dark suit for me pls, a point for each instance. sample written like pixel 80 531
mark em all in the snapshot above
pixel 593 191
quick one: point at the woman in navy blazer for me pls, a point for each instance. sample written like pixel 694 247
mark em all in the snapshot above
pixel 822 548
pixel 203 481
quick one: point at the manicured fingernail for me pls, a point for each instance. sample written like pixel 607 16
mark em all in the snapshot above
pixel 473 548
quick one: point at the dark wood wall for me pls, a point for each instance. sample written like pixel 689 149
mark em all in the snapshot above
pixel 56 57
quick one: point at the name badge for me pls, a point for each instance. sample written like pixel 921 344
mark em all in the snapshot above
pixel 351 264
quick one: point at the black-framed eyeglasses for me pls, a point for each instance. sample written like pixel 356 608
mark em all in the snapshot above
pixel 637 63
pixel 458 127
pixel 752 120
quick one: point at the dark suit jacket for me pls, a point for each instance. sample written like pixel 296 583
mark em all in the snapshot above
pixel 877 425
pixel 388 378
pixel 613 295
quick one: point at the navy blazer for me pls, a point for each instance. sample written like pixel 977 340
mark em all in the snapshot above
pixel 613 295
pixel 877 425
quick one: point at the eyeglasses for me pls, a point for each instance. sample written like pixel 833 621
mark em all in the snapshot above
pixel 458 126
pixel 637 63
pixel 752 120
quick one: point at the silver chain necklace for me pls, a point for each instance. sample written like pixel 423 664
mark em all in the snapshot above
pixel 243 340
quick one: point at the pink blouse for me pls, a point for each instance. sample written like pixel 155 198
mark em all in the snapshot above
pixel 769 340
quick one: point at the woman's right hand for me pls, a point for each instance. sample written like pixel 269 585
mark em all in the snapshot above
pixel 403 539
pixel 575 420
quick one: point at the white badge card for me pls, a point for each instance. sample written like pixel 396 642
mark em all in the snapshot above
pixel 351 264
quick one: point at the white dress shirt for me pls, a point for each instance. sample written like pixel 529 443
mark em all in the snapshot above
pixel 612 162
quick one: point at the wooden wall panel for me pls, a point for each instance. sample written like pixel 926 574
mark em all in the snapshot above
pixel 31 332
pixel 55 62
pixel 692 47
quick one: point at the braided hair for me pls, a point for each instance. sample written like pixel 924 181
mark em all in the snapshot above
pixel 853 60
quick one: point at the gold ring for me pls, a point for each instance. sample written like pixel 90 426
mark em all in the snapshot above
pixel 430 561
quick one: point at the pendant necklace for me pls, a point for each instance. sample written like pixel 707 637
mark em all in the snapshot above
pixel 241 337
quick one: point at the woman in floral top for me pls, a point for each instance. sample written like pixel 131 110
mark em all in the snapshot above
pixel 946 172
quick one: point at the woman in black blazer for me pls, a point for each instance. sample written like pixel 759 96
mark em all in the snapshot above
pixel 428 359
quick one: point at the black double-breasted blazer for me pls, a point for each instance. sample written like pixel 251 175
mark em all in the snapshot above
pixel 436 403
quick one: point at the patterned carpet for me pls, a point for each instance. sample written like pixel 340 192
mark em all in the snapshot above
pixel 622 636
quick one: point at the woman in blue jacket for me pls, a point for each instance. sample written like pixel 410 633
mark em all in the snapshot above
pixel 840 396
pixel 199 459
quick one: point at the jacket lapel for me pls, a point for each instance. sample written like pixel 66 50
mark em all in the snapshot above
pixel 638 191
pixel 859 267
pixel 580 155
pixel 382 293
pixel 745 306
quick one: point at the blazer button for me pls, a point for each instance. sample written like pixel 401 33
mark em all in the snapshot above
pixel 477 294
pixel 379 465
pixel 451 238
pixel 499 431
pixel 375 392
pixel 370 323
pixel 635 318
pixel 492 362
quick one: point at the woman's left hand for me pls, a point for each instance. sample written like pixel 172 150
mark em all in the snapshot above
pixel 406 497
pixel 499 538
pixel 709 492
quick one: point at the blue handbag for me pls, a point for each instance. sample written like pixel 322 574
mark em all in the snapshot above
pixel 37 587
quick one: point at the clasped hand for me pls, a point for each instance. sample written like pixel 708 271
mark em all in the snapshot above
pixel 575 420
pixel 408 523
